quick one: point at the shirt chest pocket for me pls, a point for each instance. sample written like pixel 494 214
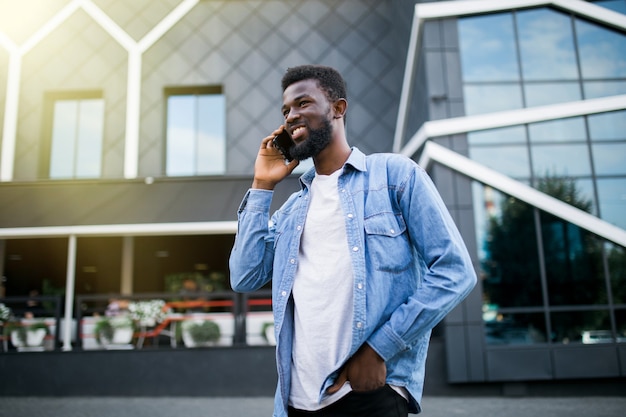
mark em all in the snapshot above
pixel 387 242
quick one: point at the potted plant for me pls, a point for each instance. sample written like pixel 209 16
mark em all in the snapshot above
pixel 147 313
pixel 114 331
pixel 5 313
pixel 199 332
pixel 267 331
pixel 24 336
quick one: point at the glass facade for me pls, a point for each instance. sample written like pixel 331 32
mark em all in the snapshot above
pixel 546 280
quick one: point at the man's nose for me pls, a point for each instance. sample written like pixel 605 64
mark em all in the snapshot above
pixel 292 115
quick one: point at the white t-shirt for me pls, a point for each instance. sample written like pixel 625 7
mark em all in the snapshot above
pixel 322 291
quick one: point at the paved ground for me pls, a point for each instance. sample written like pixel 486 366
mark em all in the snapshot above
pixel 262 407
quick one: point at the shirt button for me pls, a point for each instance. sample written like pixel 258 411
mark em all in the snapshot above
pixel 359 286
pixel 359 325
pixel 292 261
pixel 350 215
pixel 299 228
pixel 392 231
pixel 355 249
pixel 284 293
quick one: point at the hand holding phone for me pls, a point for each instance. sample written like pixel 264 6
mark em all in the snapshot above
pixel 284 143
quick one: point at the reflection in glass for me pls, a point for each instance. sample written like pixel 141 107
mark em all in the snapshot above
pixel 617 273
pixel 517 328
pixel 509 264
pixel 77 132
pixel 612 196
pixel 589 327
pixel 508 160
pixel 561 160
pixel 608 126
pixel 542 94
pixel 488 50
pixel 610 158
pixel 597 89
pixel 505 135
pixel 196 134
pixel 585 192
pixel 615 5
pixel 620 324
pixel 573 256
pixel 560 130
pixel 546 45
pixel 602 51
pixel 490 98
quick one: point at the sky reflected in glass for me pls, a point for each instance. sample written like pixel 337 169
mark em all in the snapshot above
pixel 602 51
pixel 488 48
pixel 77 132
pixel 561 130
pixel 196 132
pixel 546 45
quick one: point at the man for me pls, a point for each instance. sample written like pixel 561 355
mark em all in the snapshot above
pixel 364 261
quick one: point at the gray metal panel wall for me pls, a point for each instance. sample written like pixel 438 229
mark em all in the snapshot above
pixel 463 326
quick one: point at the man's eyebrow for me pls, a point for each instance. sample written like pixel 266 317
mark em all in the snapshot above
pixel 300 97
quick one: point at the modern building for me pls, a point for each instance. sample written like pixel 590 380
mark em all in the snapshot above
pixel 130 129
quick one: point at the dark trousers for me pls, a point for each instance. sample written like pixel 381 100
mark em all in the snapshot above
pixel 383 402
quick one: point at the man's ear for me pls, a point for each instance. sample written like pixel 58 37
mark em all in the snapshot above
pixel 339 108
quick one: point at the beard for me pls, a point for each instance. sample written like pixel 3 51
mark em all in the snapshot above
pixel 316 142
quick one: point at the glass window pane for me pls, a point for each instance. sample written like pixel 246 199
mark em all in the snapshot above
pixel 508 160
pixel 91 129
pixel 506 135
pixel 514 329
pixel 612 195
pixel 481 99
pixel 620 321
pixel 572 326
pixel 561 130
pixel 617 273
pixel 608 126
pixel 546 45
pixel 602 51
pixel 551 93
pixel 63 150
pixel 597 89
pixel 487 46
pixel 615 5
pixel 181 135
pixel 211 135
pixel 196 134
pixel 609 158
pixel 508 250
pixel 573 263
pixel 560 160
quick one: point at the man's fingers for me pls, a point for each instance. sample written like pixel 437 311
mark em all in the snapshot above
pixel 341 379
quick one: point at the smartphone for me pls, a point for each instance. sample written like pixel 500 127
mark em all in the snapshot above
pixel 284 143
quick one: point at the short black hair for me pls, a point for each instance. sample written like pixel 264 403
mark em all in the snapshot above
pixel 329 79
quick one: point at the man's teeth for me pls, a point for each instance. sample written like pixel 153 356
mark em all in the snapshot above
pixel 297 131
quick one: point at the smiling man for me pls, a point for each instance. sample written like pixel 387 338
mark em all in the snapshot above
pixel 364 261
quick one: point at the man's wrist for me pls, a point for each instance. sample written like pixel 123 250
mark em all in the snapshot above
pixel 263 185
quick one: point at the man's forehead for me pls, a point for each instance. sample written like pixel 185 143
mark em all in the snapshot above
pixel 308 87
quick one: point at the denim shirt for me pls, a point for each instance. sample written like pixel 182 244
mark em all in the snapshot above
pixel 410 264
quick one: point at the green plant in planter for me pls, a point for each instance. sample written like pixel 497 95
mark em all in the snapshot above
pixel 5 313
pixel 202 332
pixel 104 329
pixel 21 330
